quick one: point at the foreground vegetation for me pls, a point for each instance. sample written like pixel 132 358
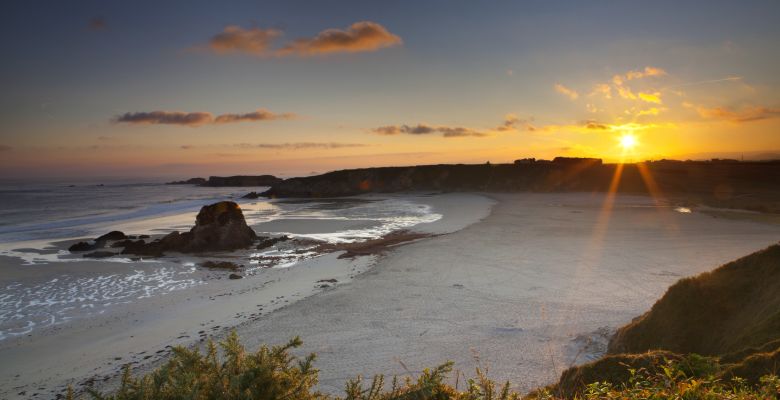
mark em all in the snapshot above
pixel 272 373
pixel 730 315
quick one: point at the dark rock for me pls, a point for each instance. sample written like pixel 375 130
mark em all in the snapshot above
pixel 221 265
pixel 100 254
pixel 191 181
pixel 235 276
pixel 218 227
pixel 82 246
pixel 251 195
pixel 332 280
pixel 126 243
pixel 113 235
pixel 270 241
pixel 144 236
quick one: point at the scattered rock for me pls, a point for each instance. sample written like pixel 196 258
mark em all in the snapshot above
pixel 82 246
pixel 113 235
pixel 144 236
pixel 332 280
pixel 127 242
pixel 270 241
pixel 235 276
pixel 99 254
pixel 221 265
pixel 251 195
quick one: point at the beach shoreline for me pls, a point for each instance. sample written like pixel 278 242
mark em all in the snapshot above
pixel 556 280
pixel 142 332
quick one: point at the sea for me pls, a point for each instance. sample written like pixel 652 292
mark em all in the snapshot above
pixel 46 285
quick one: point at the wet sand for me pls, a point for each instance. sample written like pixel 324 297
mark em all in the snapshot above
pixel 92 349
pixel 525 288
pixel 535 287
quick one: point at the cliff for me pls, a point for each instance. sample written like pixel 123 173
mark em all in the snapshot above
pixel 721 324
pixel 733 308
pixel 742 185
pixel 242 181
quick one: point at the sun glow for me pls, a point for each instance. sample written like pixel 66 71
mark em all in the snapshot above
pixel 628 141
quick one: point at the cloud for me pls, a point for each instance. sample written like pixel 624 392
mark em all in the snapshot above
pixel 97 24
pixel 194 119
pixel 424 129
pixel 591 124
pixel 650 111
pixel 359 37
pixel 166 118
pixel 235 39
pixel 299 145
pixel 570 93
pixel 259 115
pixel 648 71
pixel 512 122
pixel 745 114
pixel 603 89
pixel 5 148
pixel 186 146
pixel 618 83
pixel 651 97
pixel 363 36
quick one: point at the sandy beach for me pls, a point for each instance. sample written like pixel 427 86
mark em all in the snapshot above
pixel 521 284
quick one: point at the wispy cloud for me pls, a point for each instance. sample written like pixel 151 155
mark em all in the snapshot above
pixel 299 145
pixel 199 118
pixel 512 123
pixel 591 124
pixel 235 39
pixel 363 36
pixel 744 114
pixel 359 37
pixel 165 118
pixel 651 97
pixel 259 115
pixel 570 93
pixel 424 129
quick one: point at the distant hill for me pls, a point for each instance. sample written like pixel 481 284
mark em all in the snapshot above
pixel 717 183
pixel 236 181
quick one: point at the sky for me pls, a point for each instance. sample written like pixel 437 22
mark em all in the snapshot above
pixel 196 88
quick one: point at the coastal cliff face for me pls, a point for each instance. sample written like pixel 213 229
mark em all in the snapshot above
pixel 724 323
pixel 743 185
pixel 458 177
pixel 733 308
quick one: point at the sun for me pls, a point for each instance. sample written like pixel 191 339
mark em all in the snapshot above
pixel 628 142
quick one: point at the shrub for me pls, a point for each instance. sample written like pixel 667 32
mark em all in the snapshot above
pixel 272 373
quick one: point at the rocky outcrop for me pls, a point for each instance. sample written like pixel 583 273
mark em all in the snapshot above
pixel 218 227
pixel 267 242
pixel 227 265
pixel 111 236
pixel 242 181
pixel 98 243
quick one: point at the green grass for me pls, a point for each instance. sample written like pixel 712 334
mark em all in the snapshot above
pixel 272 373
pixel 733 310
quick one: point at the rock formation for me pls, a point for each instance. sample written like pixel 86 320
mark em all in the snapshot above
pixel 218 227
